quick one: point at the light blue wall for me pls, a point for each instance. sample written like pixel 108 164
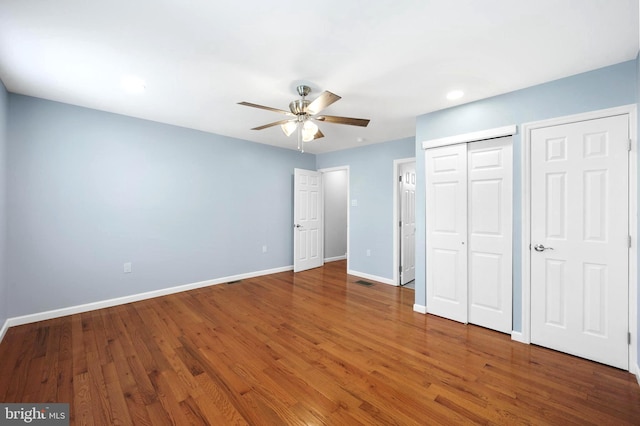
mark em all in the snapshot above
pixel 89 190
pixel 371 185
pixel 603 88
pixel 4 101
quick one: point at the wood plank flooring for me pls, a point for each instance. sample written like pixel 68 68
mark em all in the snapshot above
pixel 306 349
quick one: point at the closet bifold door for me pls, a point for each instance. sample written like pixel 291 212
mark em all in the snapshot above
pixel 446 218
pixel 469 232
pixel 490 177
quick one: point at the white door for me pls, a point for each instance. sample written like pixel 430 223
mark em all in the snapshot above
pixel 579 238
pixel 308 234
pixel 469 232
pixel 490 201
pixel 407 222
pixel 446 202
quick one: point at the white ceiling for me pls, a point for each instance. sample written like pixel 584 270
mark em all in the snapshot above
pixel 390 60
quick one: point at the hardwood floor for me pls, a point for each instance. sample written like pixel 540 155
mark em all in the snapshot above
pixel 310 348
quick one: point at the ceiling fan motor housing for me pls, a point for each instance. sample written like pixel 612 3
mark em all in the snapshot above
pixel 299 106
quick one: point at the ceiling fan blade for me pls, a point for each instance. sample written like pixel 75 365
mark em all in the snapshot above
pixel 322 101
pixel 275 123
pixel 249 104
pixel 318 135
pixel 362 122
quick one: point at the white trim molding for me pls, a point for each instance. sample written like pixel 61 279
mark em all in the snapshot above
pixel 4 329
pixel 334 259
pixel 517 337
pixel 472 137
pixel 526 129
pixel 56 313
pixel 371 277
pixel 420 309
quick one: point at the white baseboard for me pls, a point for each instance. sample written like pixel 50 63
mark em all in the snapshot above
pixel 518 337
pixel 420 308
pixel 637 372
pixel 4 329
pixel 55 313
pixel 333 259
pixel 371 277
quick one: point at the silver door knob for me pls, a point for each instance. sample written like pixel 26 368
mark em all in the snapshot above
pixel 297 225
pixel 540 247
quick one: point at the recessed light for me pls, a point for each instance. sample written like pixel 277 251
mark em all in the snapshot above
pixel 133 84
pixel 455 94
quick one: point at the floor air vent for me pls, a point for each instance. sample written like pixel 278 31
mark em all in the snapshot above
pixel 364 283
pixel 234 282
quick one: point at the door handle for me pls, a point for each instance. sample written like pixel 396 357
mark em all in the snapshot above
pixel 540 247
pixel 297 225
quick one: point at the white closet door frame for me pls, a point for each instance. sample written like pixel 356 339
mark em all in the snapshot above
pixel 471 137
pixel 631 110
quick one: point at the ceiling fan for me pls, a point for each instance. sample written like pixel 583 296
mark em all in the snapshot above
pixel 303 113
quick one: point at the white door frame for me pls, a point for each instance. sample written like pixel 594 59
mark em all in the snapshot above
pixel 631 110
pixel 334 169
pixel 396 218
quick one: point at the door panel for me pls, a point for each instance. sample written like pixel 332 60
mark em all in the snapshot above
pixel 490 285
pixel 446 261
pixel 408 222
pixel 307 232
pixel 579 199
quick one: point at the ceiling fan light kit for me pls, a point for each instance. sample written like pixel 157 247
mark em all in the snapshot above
pixel 289 127
pixel 304 113
pixel 309 131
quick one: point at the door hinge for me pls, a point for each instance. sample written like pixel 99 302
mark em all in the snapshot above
pixel 400 269
pixel 629 146
pixel 400 224
pixel 400 178
pixel 629 338
pixel 629 241
pixel 529 246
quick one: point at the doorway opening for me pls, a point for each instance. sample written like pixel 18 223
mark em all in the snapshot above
pixel 404 186
pixel 335 193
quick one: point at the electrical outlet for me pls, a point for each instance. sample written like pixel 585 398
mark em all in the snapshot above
pixel 127 268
